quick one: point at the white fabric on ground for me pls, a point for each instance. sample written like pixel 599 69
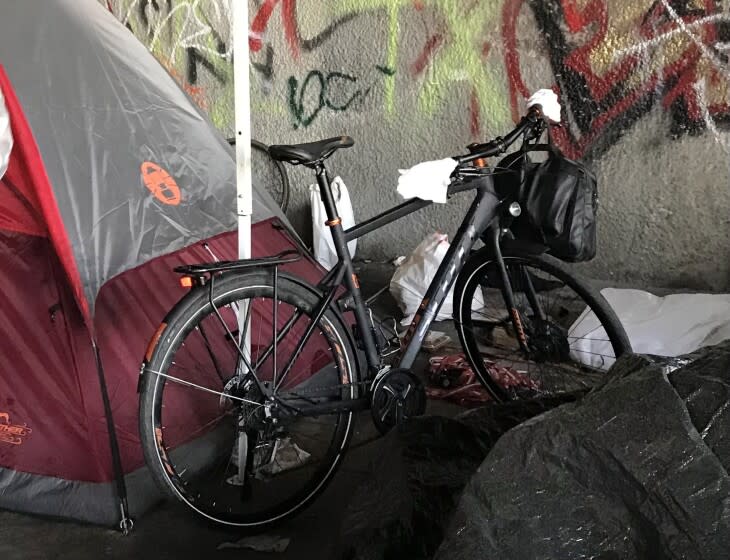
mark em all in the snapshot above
pixel 665 326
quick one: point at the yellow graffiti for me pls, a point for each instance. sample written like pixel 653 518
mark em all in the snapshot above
pixel 461 60
pixel 393 8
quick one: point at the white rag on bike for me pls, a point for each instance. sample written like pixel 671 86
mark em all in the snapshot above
pixel 428 180
pixel 6 137
pixel 548 100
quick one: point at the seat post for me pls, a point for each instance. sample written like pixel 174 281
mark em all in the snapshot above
pixel 334 222
pixel 325 193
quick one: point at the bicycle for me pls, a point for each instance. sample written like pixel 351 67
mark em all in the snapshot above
pixel 250 385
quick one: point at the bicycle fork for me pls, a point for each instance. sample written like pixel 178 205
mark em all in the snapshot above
pixel 508 293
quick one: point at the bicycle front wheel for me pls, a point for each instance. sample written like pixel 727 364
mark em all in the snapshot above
pixel 219 400
pixel 571 334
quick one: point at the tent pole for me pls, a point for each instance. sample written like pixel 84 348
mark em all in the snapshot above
pixel 241 87
pixel 126 522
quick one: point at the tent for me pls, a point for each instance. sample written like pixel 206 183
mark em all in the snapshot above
pixel 115 178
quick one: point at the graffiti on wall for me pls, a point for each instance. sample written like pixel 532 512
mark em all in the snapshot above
pixel 192 40
pixel 611 62
pixel 452 57
pixel 335 91
pixel 613 66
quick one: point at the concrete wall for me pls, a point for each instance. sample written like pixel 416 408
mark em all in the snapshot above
pixel 644 85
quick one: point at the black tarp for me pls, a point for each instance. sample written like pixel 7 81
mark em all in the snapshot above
pixel 402 509
pixel 637 469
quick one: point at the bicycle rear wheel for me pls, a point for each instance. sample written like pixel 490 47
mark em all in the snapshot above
pixel 572 334
pixel 216 441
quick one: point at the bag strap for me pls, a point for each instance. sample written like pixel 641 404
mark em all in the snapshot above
pixel 549 147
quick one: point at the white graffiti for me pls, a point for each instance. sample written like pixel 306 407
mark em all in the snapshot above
pixel 664 37
pixel 722 138
pixel 689 30
pixel 699 86
pixel 719 64
pixel 185 24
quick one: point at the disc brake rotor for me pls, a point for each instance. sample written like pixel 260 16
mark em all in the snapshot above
pixel 547 341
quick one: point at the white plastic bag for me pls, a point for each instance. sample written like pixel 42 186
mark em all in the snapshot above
pixel 324 245
pixel 413 277
pixel 6 136
pixel 665 326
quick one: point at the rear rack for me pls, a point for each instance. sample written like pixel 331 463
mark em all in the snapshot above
pixel 285 257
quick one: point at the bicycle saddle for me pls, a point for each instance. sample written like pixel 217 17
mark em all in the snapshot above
pixel 310 152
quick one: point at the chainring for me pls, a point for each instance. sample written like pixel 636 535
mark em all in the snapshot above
pixel 396 396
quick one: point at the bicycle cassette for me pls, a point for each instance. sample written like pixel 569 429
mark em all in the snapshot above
pixel 396 396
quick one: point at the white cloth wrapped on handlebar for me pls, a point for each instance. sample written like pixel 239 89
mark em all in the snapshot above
pixel 548 100
pixel 6 136
pixel 428 180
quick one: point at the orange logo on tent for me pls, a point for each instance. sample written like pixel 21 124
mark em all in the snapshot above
pixel 11 433
pixel 159 182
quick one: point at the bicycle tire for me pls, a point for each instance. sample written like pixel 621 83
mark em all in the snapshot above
pixel 282 197
pixel 473 275
pixel 183 319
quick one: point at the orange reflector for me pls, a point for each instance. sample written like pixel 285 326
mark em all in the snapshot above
pixel 186 282
pixel 153 342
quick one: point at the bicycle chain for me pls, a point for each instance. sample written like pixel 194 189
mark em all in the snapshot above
pixel 323 389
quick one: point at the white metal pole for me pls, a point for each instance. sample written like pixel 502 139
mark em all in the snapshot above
pixel 244 188
pixel 241 87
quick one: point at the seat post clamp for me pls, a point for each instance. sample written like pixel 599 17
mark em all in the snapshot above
pixel 330 223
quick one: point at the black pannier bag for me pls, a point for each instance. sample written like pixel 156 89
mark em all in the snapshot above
pixel 559 200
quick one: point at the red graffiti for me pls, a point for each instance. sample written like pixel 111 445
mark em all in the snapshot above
pixel 573 18
pixel 432 44
pixel 511 55
pixel 289 22
pixel 475 124
pixel 290 25
pixel 621 89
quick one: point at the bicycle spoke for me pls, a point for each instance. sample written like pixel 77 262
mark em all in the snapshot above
pixel 206 404
pixel 554 320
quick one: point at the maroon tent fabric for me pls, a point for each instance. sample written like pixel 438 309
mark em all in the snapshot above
pixel 54 391
pixel 59 294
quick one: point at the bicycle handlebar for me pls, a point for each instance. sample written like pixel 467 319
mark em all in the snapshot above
pixel 500 145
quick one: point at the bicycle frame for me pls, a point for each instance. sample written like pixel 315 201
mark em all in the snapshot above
pixel 480 215
pixel 484 212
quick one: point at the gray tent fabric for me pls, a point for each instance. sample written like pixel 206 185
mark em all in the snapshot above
pixel 137 169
